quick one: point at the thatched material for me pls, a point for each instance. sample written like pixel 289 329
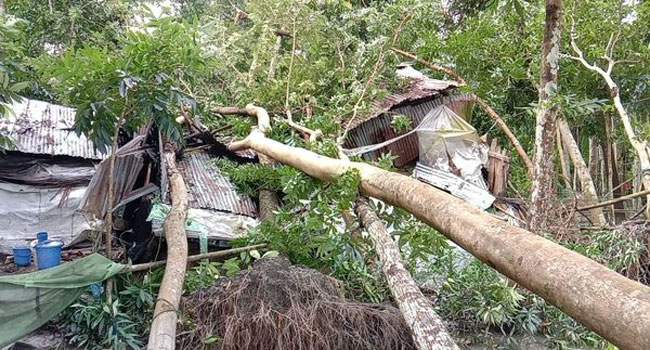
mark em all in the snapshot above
pixel 279 306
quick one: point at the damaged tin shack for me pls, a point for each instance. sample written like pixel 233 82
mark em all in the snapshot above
pixel 56 181
pixel 441 147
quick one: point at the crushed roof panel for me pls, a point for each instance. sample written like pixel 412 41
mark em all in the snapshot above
pixel 417 89
pixel 39 127
pixel 209 189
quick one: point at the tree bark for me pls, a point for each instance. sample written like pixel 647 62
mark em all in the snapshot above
pixel 601 299
pixel 276 53
pixel 427 328
pixel 542 193
pixel 586 182
pixel 593 159
pixel 163 328
pixel 564 162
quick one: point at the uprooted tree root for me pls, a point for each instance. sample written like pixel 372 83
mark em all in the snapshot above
pixel 279 306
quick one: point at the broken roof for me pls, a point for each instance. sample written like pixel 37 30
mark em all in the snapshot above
pixel 209 189
pixel 418 89
pixel 39 127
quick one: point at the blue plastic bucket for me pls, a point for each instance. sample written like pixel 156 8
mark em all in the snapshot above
pixel 48 254
pixel 41 236
pixel 22 255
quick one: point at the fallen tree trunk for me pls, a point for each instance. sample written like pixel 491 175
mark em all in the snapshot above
pixel 163 327
pixel 601 299
pixel 427 328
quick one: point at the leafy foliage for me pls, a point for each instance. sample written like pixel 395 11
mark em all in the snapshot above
pixel 148 80
pixel 60 24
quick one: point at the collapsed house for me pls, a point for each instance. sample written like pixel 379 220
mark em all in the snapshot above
pixel 43 175
pixel 217 210
pixel 442 147
pixel 56 181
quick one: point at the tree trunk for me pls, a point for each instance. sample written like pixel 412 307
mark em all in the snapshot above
pixel 586 182
pixel 542 193
pixel 427 328
pixel 593 159
pixel 274 59
pixel 163 328
pixel 564 162
pixel 601 299
pixel 640 146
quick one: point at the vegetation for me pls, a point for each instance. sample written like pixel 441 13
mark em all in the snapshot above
pixel 130 71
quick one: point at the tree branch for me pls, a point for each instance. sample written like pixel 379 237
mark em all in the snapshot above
pixel 433 66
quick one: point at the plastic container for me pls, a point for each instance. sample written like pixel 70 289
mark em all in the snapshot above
pixel 41 236
pixel 22 255
pixel 48 254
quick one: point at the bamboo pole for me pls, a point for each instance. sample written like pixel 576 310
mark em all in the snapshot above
pixel 194 258
pixel 616 200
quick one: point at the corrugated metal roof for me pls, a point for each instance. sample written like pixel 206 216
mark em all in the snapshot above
pixel 417 90
pixel 379 129
pixel 209 189
pixel 43 128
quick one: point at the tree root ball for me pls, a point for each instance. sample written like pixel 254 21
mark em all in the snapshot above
pixel 276 305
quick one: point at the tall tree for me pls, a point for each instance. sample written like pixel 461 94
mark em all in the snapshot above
pixel 640 145
pixel 547 112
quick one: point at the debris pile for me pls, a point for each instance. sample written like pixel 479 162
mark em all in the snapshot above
pixel 279 306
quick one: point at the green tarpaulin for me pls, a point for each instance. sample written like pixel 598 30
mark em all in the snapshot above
pixel 27 301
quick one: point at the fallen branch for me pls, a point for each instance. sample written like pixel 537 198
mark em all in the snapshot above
pixel 163 327
pixel 616 200
pixel 313 134
pixel 506 130
pixel 432 66
pixel 427 328
pixel 194 258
